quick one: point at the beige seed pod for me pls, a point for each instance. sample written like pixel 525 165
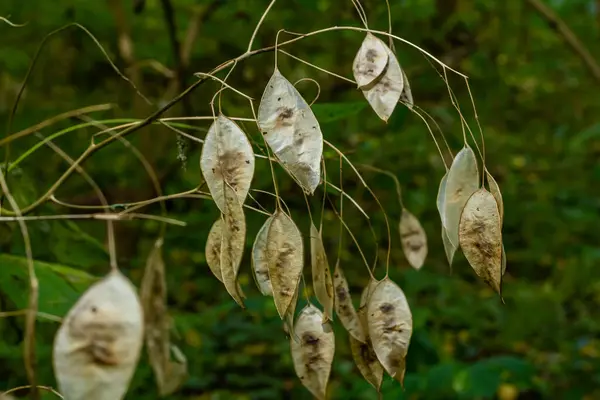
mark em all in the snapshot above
pixel 414 239
pixel 322 282
pixel 406 97
pixel 462 182
pixel 227 155
pixel 449 248
pixel 291 131
pixel 232 244
pixel 370 61
pixel 390 327
pixel 213 248
pixel 313 353
pixel 344 307
pixel 384 94
pixel 495 190
pixel 260 264
pixel 481 239
pixel 290 314
pixel 98 344
pixel 503 260
pixel 285 255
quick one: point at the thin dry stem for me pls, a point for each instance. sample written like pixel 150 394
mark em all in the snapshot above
pixel 262 18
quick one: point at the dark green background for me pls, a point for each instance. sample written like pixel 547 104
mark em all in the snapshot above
pixel 538 105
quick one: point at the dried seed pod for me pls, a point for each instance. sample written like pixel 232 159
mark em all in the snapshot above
pixel 495 190
pixel 212 251
pixel 481 239
pixel 370 61
pixel 321 275
pixel 285 257
pixel 291 131
pixel 449 248
pixel 227 156
pixel 463 181
pixel 503 260
pixel 390 327
pixel 260 264
pixel 344 307
pixel 290 314
pixel 313 352
pixel 406 97
pixel 385 93
pixel 414 239
pixel 98 344
pixel 232 244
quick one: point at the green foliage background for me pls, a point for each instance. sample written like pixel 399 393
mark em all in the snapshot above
pixel 539 109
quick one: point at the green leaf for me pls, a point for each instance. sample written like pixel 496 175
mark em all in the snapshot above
pixel 330 112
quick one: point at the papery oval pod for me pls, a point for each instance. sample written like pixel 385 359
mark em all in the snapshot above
pixel 344 307
pixel 227 155
pixel 365 296
pixel 290 314
pixel 449 248
pixel 481 239
pixel 384 94
pixel 98 344
pixel 365 358
pixel 260 263
pixel 322 282
pixel 370 61
pixel 291 131
pixel 212 250
pixel 462 182
pixel 313 352
pixel 232 244
pixel 495 191
pixel 285 255
pixel 406 97
pixel 413 238
pixel 390 327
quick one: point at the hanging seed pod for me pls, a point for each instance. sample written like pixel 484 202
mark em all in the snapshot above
pixel 449 248
pixel 414 239
pixel 463 181
pixel 503 260
pixel 212 251
pixel 313 352
pixel 495 190
pixel 285 257
pixel 406 97
pixel 481 239
pixel 291 131
pixel 384 94
pixel 344 307
pixel 390 327
pixel 227 156
pixel 370 61
pixel 97 347
pixel 260 264
pixel 290 314
pixel 321 275
pixel 232 244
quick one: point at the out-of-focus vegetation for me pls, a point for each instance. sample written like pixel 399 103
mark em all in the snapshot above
pixel 537 102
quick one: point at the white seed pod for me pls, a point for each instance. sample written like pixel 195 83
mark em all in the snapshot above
pixel 98 344
pixel 344 307
pixel 370 61
pixel 285 255
pixel 390 327
pixel 413 238
pixel 384 94
pixel 449 248
pixel 462 182
pixel 232 244
pixel 481 239
pixel 291 131
pixel 313 353
pixel 322 282
pixel 212 250
pixel 227 155
pixel 260 263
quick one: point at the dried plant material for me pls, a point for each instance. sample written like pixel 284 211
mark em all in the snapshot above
pixel 495 190
pixel 503 260
pixel 227 156
pixel 370 61
pixel 322 282
pixel 97 347
pixel 449 248
pixel 414 239
pixel 176 372
pixel 291 131
pixel 406 97
pixel 480 237
pixel 285 255
pixel 212 251
pixel 153 294
pixel 390 327
pixel 313 352
pixel 260 264
pixel 463 181
pixel 290 314
pixel 232 244
pixel 344 307
pixel 385 93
